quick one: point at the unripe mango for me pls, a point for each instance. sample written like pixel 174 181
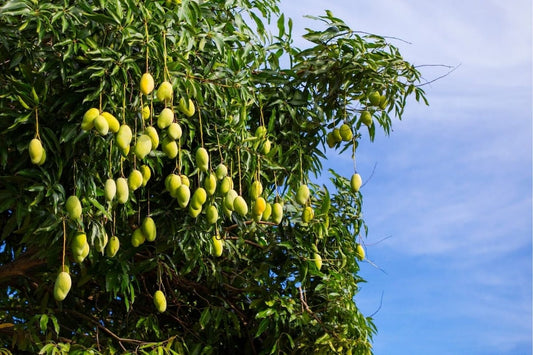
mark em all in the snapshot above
pixel 151 132
pixel 336 135
pixel 123 191
pixel 87 122
pixel 183 194
pixel 211 214
pixel 165 118
pixel 169 147
pixel 85 251
pixel 202 159
pixel 210 184
pixel 143 146
pixel 62 286
pixel 229 199
pixel 78 243
pixel 101 125
pixel 346 132
pixel 218 246
pixel 123 137
pixel 185 180
pixel 187 109
pixel 73 207
pixel 267 212
pixel 277 212
pixel 137 237
pixel 110 189
pixel 260 132
pixel 302 195
pixel 383 102
pixel 36 151
pixel 194 212
pixel 165 91
pixel 330 140
pixel 318 260
pixel 240 206
pixel 112 121
pixel 267 146
pixel 256 189
pixel 308 214
pixel 147 83
pixel 160 301
pixel 221 171
pixel 174 131
pixel 360 252
pixel 226 185
pixel 374 98
pixel 172 183
pixel 356 182
pixel 146 173
pixel 366 118
pixel 149 229
pixel 145 112
pixel 112 247
pixel 198 198
pixel 135 180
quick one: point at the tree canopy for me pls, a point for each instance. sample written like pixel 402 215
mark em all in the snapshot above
pixel 157 164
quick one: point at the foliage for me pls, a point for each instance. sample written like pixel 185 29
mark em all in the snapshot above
pixel 265 294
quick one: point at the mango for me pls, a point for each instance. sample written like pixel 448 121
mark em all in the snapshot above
pixel 218 246
pixel 149 228
pixel 78 243
pixel 318 260
pixel 256 189
pixel 346 132
pixel 259 206
pixel 112 247
pixel 211 213
pixel 229 199
pixel 135 180
pixel 112 121
pixel 123 191
pixel 260 132
pixel 356 182
pixel 308 214
pixel 160 301
pixel 146 174
pixel 143 146
pixel 137 237
pixel 174 131
pixel 151 132
pixel 277 212
pixel 210 184
pixel 183 195
pixel 172 183
pixel 147 83
pixel 145 112
pixel 268 212
pixel 226 185
pixel 83 254
pixel 62 286
pixel 198 198
pixel 202 159
pixel 73 207
pixel 36 151
pixel 169 147
pixel 360 252
pixel 221 171
pixel 302 195
pixel 185 180
pixel 110 189
pixel 165 118
pixel 87 122
pixel 101 125
pixel 374 98
pixel 366 118
pixel 188 109
pixel 164 91
pixel 43 158
pixel 240 206
pixel 194 212
pixel 124 137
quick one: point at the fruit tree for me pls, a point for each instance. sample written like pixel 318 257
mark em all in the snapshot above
pixel 157 162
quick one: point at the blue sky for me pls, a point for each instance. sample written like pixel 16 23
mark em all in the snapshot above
pixel 451 190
